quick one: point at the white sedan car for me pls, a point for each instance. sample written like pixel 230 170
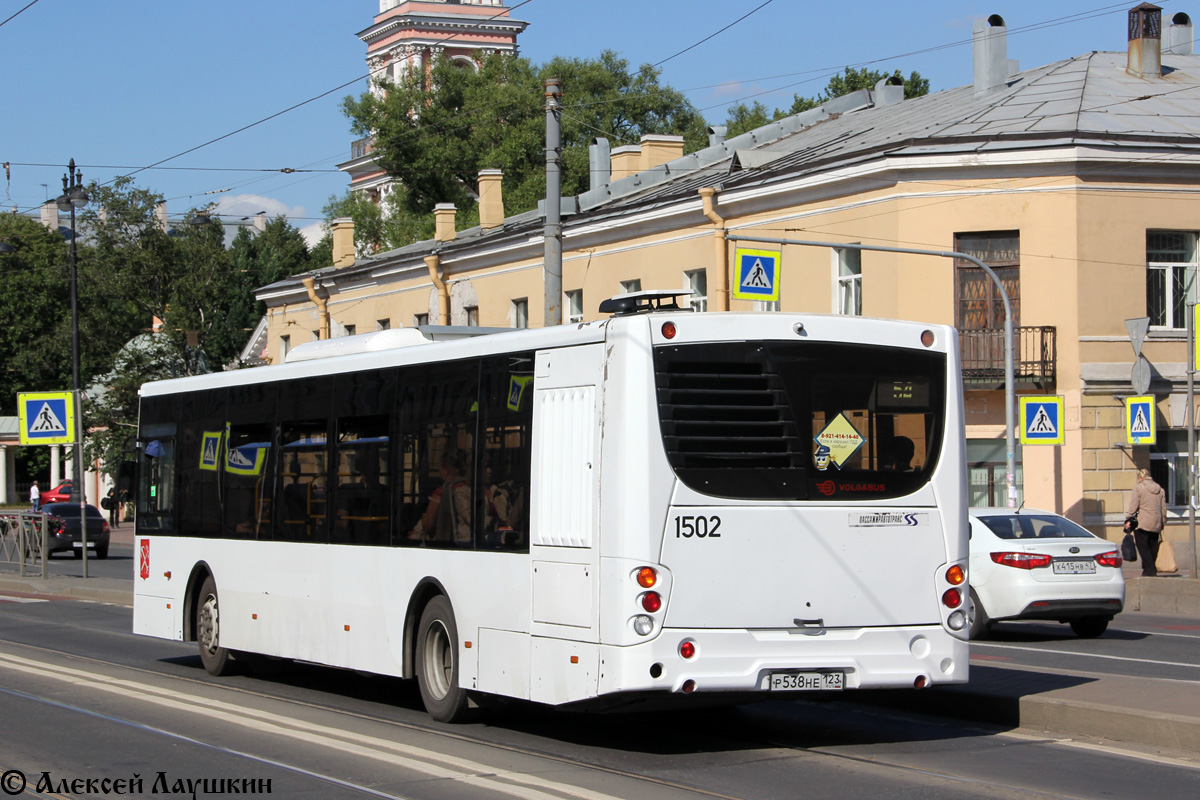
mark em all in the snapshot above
pixel 1030 564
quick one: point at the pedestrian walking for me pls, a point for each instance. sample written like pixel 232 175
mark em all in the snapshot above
pixel 1147 512
pixel 35 495
pixel 110 504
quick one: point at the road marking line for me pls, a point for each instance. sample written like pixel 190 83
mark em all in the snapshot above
pixel 8 599
pixel 417 759
pixel 1085 655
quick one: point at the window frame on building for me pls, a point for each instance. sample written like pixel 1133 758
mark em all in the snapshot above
pixel 847 282
pixel 1166 310
pixel 520 312
pixel 573 305
pixel 383 324
pixel 696 282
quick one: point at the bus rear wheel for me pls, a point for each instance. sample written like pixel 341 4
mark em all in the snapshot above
pixel 216 659
pixel 437 663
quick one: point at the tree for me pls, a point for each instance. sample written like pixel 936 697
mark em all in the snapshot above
pixel 744 118
pixel 851 80
pixel 436 132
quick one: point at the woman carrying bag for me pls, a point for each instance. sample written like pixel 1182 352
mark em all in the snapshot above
pixel 1148 504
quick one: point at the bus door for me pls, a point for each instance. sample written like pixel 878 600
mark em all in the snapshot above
pixel 564 523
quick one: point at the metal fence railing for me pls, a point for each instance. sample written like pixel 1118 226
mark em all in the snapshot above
pixel 24 540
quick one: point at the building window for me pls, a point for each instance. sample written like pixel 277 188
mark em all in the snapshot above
pixel 978 303
pixel 317 335
pixel 1168 465
pixel 986 468
pixel 574 305
pixel 1170 277
pixel 285 347
pixel 766 305
pixel 697 284
pixel 629 287
pixel 848 299
pixel 472 316
pixel 420 319
pixel 383 324
pixel 520 313
pixel 349 330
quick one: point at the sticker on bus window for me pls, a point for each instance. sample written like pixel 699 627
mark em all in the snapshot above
pixel 841 441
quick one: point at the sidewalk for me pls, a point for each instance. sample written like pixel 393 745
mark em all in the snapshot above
pixel 1133 709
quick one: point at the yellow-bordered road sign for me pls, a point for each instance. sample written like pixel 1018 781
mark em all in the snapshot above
pixel 757 274
pixel 1041 419
pixel 47 417
pixel 210 450
pixel 1140 425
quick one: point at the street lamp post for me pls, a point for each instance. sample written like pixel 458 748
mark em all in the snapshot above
pixel 72 198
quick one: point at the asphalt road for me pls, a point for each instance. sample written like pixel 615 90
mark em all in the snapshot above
pixel 82 698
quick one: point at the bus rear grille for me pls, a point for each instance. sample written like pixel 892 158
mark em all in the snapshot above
pixel 726 416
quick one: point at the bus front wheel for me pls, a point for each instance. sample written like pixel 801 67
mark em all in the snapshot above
pixel 217 660
pixel 437 663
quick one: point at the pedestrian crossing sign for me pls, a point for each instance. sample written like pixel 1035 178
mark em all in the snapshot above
pixel 1140 425
pixel 758 274
pixel 210 450
pixel 47 417
pixel 1041 420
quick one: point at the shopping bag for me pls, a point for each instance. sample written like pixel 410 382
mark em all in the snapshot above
pixel 1129 548
pixel 1166 559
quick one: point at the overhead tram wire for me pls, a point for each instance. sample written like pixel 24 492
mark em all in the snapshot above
pixel 718 33
pixel 14 16
pixel 289 108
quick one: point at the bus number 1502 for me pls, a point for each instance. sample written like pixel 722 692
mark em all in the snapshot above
pixel 700 527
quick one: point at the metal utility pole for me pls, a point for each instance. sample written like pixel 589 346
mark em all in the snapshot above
pixel 552 268
pixel 1191 425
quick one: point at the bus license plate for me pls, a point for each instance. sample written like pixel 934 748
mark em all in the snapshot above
pixel 806 681
pixel 1077 566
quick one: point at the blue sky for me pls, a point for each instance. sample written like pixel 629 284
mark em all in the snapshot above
pixel 123 84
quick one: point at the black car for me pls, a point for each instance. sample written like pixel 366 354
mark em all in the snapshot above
pixel 64 529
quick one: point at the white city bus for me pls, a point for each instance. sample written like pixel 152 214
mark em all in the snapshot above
pixel 658 503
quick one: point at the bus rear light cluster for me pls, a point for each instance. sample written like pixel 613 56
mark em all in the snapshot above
pixel 952 598
pixel 1022 560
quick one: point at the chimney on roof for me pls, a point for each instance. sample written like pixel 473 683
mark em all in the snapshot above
pixel 160 211
pixel 1145 41
pixel 50 215
pixel 260 222
pixel 626 160
pixel 1179 36
pixel 443 222
pixel 342 231
pixel 990 46
pixel 491 199
pixel 716 135
pixel 889 91
pixel 659 149
pixel 599 163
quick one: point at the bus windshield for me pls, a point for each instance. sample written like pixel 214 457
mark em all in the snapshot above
pixel 800 420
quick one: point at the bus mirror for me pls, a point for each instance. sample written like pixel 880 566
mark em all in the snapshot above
pixel 127 477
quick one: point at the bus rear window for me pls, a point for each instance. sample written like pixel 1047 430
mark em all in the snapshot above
pixel 800 420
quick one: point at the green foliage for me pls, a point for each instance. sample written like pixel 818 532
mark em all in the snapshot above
pixel 376 229
pixel 744 118
pixel 436 134
pixel 852 80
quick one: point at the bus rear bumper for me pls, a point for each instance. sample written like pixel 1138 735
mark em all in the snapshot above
pixel 786 660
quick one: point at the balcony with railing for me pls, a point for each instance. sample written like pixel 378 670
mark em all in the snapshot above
pixel 1034 357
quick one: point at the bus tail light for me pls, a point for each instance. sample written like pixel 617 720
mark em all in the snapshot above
pixel 952 598
pixel 652 601
pixel 1110 559
pixel 643 625
pixel 668 330
pixel 647 577
pixel 1022 560
pixel 689 686
pixel 687 649
pixel 956 576
pixel 921 682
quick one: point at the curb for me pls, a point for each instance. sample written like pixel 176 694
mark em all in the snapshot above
pixel 71 588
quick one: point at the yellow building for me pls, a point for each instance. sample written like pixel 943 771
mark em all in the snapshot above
pixel 1076 182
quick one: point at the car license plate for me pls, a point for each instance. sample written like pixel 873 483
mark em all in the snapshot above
pixel 806 681
pixel 1074 566
pixel 91 545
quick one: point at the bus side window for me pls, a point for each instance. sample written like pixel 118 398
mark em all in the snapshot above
pixel 507 399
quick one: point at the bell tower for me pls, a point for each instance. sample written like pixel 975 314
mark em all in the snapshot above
pixel 406 36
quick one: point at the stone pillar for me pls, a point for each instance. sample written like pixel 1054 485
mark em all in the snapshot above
pixel 55 466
